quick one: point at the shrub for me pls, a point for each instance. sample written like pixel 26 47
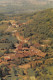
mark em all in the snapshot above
pixel 37 74
pixel 25 45
pixel 7 51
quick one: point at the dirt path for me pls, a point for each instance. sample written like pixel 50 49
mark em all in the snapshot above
pixel 8 29
pixel 20 38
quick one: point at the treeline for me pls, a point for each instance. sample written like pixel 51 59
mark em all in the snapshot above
pixel 41 25
pixel 39 29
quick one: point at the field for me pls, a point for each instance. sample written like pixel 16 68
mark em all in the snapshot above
pixel 3 26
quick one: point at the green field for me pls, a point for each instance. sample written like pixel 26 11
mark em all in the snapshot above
pixel 3 26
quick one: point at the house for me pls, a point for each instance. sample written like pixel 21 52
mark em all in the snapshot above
pixel 37 45
pixel 17 25
pixel 25 49
pixel 20 25
pixel 20 52
pixel 19 47
pixel 19 55
pixel 24 23
pixel 13 24
pixel 7 58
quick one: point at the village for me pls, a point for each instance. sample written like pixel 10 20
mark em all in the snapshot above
pixel 19 53
pixel 26 46
pixel 23 50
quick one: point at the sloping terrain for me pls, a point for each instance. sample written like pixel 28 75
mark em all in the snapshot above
pixel 39 28
pixel 39 25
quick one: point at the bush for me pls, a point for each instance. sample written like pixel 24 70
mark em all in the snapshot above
pixel 15 71
pixel 12 46
pixel 0 72
pixel 7 51
pixel 37 74
pixel 46 56
pixel 25 45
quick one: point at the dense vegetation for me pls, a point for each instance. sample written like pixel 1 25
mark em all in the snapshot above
pixel 39 28
pixel 41 25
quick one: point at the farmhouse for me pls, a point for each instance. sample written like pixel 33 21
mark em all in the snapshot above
pixel 24 23
pixel 13 24
pixel 19 47
pixel 7 58
pixel 37 45
pixel 25 49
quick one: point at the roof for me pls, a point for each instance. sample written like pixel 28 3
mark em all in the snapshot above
pixel 7 57
pixel 37 45
pixel 25 48
pixel 19 47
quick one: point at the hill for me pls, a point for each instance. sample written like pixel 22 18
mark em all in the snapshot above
pixel 39 24
pixel 39 27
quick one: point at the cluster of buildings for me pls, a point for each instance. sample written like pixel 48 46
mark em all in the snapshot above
pixel 15 25
pixel 24 52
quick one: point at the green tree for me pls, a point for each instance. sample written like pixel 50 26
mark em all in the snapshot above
pixel 37 74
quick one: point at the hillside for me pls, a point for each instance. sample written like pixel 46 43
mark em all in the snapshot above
pixel 39 28
pixel 39 25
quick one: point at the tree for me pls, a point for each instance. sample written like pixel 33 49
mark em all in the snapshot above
pixel 36 73
pixel 5 71
pixel 17 78
pixel 15 71
pixel 18 41
pixel 7 51
pixel 46 56
pixel 9 23
pixel 25 45
pixel 0 72
pixel 12 46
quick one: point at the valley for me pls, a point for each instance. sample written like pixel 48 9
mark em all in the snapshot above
pixel 26 46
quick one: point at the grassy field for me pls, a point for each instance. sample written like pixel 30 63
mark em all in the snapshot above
pixel 50 72
pixel 4 45
pixel 3 26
